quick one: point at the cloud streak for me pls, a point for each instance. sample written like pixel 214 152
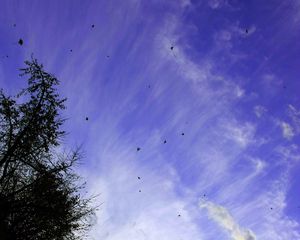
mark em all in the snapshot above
pixel 180 67
pixel 224 219
pixel 287 130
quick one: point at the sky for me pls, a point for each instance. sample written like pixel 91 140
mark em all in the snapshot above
pixel 208 91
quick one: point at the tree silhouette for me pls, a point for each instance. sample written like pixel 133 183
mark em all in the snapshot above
pixel 39 190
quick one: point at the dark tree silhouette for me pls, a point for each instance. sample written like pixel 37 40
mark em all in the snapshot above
pixel 39 190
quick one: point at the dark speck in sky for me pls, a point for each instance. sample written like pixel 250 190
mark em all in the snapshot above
pixel 172 48
pixel 165 141
pixel 93 26
pixel 86 118
pixel 182 134
pixel 138 149
pixel 20 42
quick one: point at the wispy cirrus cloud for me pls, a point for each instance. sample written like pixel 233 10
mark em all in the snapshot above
pixel 259 110
pixel 294 114
pixel 242 134
pixel 182 87
pixel 215 4
pixel 224 219
pixel 149 72
pixel 145 208
pixel 287 130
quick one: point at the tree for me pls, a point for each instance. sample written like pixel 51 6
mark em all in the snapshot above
pixel 39 190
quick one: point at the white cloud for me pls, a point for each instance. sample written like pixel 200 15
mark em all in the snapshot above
pixel 224 41
pixel 294 114
pixel 268 77
pixel 266 207
pixel 289 153
pixel 197 74
pixel 185 3
pixel 245 32
pixel 241 31
pixel 150 214
pixel 270 82
pixel 259 110
pixel 287 130
pixel 270 210
pixel 240 133
pixel 215 4
pixel 204 79
pixel 224 219
pixel 258 164
pixel 293 110
pixel 239 92
pixel 224 35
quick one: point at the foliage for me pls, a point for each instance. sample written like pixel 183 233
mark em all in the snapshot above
pixel 39 190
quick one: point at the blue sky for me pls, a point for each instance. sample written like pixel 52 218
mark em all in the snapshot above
pixel 230 83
